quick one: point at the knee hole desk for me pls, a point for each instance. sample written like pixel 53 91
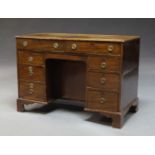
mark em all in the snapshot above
pixel 99 70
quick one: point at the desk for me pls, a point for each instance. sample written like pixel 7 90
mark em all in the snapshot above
pixel 99 70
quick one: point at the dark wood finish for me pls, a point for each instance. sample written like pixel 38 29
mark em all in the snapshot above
pixel 66 79
pixel 39 45
pixel 36 92
pixel 32 73
pixel 30 58
pixel 112 64
pixel 109 103
pixel 99 70
pixel 20 106
pixel 93 47
pixel 105 81
pixel 130 65
pixel 66 46
pixel 117 121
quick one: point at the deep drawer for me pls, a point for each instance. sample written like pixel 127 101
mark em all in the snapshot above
pixel 32 73
pixel 32 91
pixel 103 81
pixel 102 100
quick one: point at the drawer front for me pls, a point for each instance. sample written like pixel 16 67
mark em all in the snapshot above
pixel 32 91
pixel 69 46
pixel 103 81
pixel 30 58
pixel 103 64
pixel 31 73
pixel 101 100
pixel 94 47
pixel 40 45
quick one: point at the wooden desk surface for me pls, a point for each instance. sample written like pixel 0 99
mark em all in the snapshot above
pixel 80 37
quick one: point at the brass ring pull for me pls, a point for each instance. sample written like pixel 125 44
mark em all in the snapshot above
pixel 103 80
pixel 74 46
pixel 102 100
pixel 30 69
pixel 25 43
pixel 30 59
pixel 110 49
pixel 103 65
pixel 55 45
pixel 31 85
pixel 31 91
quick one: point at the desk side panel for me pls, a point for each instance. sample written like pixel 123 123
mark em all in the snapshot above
pixel 130 69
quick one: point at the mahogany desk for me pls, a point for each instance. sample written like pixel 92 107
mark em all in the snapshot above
pixel 99 70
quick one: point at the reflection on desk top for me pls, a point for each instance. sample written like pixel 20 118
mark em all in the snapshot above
pixel 79 37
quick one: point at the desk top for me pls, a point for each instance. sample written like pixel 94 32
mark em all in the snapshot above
pixel 79 37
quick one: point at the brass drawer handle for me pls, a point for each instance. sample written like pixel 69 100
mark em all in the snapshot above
pixel 55 45
pixel 30 59
pixel 110 48
pixel 30 69
pixel 25 43
pixel 31 85
pixel 74 46
pixel 31 91
pixel 31 88
pixel 102 80
pixel 103 65
pixel 102 100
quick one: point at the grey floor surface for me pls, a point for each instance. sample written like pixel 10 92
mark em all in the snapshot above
pixel 66 120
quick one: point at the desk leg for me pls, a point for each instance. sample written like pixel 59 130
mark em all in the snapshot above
pixel 20 106
pixel 134 106
pixel 117 121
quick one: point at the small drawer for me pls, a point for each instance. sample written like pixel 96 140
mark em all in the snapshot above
pixel 31 73
pixel 94 47
pixel 103 64
pixel 40 45
pixel 102 100
pixel 32 91
pixel 30 58
pixel 103 81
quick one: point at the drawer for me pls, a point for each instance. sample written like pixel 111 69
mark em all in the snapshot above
pixel 32 91
pixel 39 45
pixel 102 100
pixel 103 81
pixel 31 73
pixel 103 64
pixel 30 58
pixel 94 47
pixel 69 46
